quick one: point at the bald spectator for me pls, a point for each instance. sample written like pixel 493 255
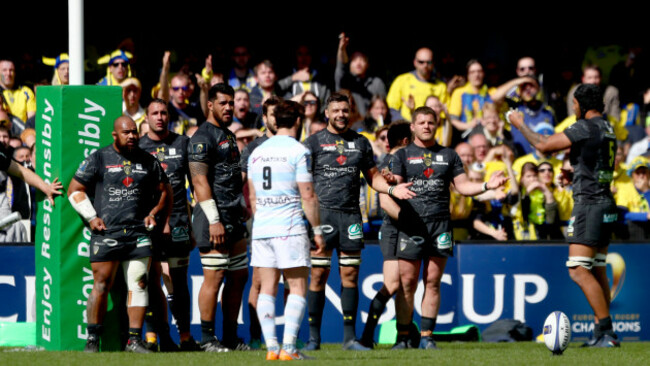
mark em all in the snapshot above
pixel 466 154
pixel 480 145
pixel 410 90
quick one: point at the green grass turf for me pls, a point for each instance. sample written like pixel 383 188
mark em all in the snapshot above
pixel 522 353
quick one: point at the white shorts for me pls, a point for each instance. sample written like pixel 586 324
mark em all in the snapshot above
pixel 282 252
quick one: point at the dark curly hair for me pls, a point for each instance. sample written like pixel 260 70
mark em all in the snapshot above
pixel 589 97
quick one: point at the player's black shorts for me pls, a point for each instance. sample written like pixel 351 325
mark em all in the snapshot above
pixel 107 247
pixel 342 230
pixel 592 224
pixel 176 245
pixel 388 236
pixel 419 239
pixel 232 222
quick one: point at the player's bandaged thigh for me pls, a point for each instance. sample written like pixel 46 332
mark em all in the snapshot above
pixel 600 260
pixel 238 262
pixel 350 261
pixel 321 262
pixel 215 262
pixel 135 273
pixel 576 261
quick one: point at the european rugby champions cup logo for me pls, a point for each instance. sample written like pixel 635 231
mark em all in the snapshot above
pixel 126 166
pixel 426 159
pixel 340 148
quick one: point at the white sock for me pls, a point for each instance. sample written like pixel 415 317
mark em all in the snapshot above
pixel 266 316
pixel 293 314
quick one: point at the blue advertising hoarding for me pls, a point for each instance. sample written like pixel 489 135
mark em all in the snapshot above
pixel 481 284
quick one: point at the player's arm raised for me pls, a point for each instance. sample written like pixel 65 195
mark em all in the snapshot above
pixel 203 193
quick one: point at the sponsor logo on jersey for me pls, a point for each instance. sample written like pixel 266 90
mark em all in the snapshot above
pixel 143 241
pixel 428 172
pixel 82 166
pixel 417 240
pixel 444 241
pixel 355 232
pixel 110 242
pixel 199 148
pixel 609 218
pixel 327 229
pixel 426 159
pixel 127 181
pixel 341 159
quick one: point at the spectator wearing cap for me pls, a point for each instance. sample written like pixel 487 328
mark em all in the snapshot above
pixel 131 92
pixel 536 156
pixel 61 64
pixel 119 67
pixel 633 200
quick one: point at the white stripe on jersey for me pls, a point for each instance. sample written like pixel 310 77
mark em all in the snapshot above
pixel 275 167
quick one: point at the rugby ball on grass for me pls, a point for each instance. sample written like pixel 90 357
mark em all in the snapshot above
pixel 557 332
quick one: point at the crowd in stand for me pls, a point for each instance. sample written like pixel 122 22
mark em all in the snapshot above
pixel 535 204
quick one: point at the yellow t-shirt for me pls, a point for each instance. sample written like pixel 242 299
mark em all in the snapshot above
pixel 20 101
pixel 409 84
pixel 627 196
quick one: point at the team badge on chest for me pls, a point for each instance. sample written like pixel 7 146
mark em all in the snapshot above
pixel 426 159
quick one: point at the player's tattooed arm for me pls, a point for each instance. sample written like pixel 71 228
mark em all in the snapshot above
pixel 197 168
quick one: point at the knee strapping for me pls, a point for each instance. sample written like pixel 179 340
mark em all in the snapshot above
pixel 178 262
pixel 576 261
pixel 321 262
pixel 215 262
pixel 238 262
pixel 600 260
pixel 135 273
pixel 351 261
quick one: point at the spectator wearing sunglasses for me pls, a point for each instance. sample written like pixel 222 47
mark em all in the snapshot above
pixel 410 90
pixel 118 69
pixel 183 112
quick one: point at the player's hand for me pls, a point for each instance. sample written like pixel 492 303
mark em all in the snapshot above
pixel 320 245
pixel 97 224
pixel 150 222
pixel 53 189
pixel 498 179
pixel 217 234
pixel 403 192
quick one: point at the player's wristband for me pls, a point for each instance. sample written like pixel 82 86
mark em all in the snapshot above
pixel 318 230
pixel 390 190
pixel 82 205
pixel 209 207
pixel 485 188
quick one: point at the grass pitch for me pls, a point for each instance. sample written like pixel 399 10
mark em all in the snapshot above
pixel 522 353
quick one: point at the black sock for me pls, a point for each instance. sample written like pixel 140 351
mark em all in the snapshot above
pixel 427 325
pixel 377 307
pixel 95 330
pixel 135 333
pixel 403 331
pixel 604 326
pixel 255 328
pixel 179 305
pixel 349 305
pixel 316 304
pixel 207 330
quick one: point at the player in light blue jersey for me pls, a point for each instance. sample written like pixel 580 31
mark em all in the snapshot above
pixel 281 187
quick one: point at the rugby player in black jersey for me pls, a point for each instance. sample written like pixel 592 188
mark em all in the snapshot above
pixel 593 150
pixel 218 221
pixel 129 190
pixel 339 156
pixel 424 222
pixel 172 240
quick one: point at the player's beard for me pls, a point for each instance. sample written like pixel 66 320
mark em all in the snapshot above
pixel 340 129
